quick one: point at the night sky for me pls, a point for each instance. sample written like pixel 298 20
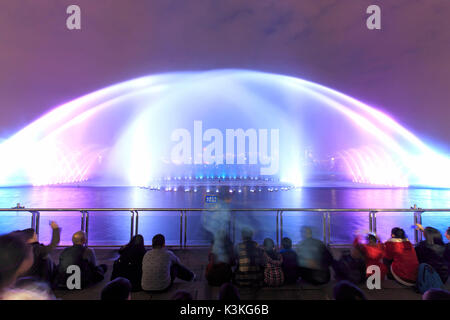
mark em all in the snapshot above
pixel 403 69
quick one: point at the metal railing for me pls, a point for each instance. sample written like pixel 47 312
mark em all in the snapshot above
pixel 134 214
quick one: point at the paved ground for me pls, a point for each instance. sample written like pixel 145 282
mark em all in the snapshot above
pixel 196 260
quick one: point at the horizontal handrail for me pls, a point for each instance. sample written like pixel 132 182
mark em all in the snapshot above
pixel 231 209
pixel 35 219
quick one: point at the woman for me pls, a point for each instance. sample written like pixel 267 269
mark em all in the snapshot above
pixel 432 252
pixel 373 252
pixel 129 264
pixel 401 258
pixel 273 273
pixel 221 259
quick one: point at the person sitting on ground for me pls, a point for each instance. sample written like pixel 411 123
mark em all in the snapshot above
pixel 182 295
pixel 83 257
pixel 273 273
pixel 351 266
pixel 290 261
pixel 401 259
pixel 345 290
pixel 228 292
pixel 436 294
pixel 221 259
pixel 129 264
pixel 447 248
pixel 160 267
pixel 314 259
pixel 432 251
pixel 117 289
pixel 16 258
pixel 43 268
pixel 373 252
pixel 250 257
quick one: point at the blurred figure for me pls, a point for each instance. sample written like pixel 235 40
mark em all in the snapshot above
pixel 373 252
pixel 84 258
pixel 181 295
pixel 43 267
pixel 432 251
pixel 16 258
pixel 273 273
pixel 290 261
pixel 401 258
pixel 436 294
pixel 345 290
pixel 447 234
pixel 28 288
pixel 129 264
pixel 160 267
pixel 314 259
pixel 228 292
pixel 117 289
pixel 351 266
pixel 250 269
pixel 221 259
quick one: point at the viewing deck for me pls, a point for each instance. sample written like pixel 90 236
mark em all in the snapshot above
pixel 197 258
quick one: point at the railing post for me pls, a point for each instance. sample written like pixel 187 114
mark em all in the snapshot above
pixel 277 228
pixel 370 222
pixel 281 226
pixel 417 220
pixel 83 220
pixel 181 229
pixel 185 228
pixel 132 225
pixel 86 225
pixel 136 225
pixel 234 225
pixel 329 228
pixel 324 225
pixel 35 221
pixel 374 222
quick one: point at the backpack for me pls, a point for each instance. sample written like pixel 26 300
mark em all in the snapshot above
pixel 131 270
pixel 427 278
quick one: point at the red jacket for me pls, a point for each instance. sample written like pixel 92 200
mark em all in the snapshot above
pixel 373 255
pixel 405 263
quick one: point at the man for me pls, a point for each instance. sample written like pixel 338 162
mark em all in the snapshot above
pixel 84 258
pixel 43 267
pixel 314 259
pixel 160 267
pixel 290 261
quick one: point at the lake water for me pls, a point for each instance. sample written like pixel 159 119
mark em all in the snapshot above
pixel 114 228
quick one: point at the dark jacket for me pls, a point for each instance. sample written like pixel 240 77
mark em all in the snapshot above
pixel 313 254
pixel 43 267
pixel 434 255
pixel 84 258
pixel 129 266
pixel 290 265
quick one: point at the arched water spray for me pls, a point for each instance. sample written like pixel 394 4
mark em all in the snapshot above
pixel 205 128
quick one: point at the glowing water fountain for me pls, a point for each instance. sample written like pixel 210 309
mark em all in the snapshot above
pixel 203 128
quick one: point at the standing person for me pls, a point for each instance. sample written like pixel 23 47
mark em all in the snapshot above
pixel 84 258
pixel 290 261
pixel 373 252
pixel 16 258
pixel 314 259
pixel 250 269
pixel 221 260
pixel 129 264
pixel 401 258
pixel 432 251
pixel 43 267
pixel 273 273
pixel 160 267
